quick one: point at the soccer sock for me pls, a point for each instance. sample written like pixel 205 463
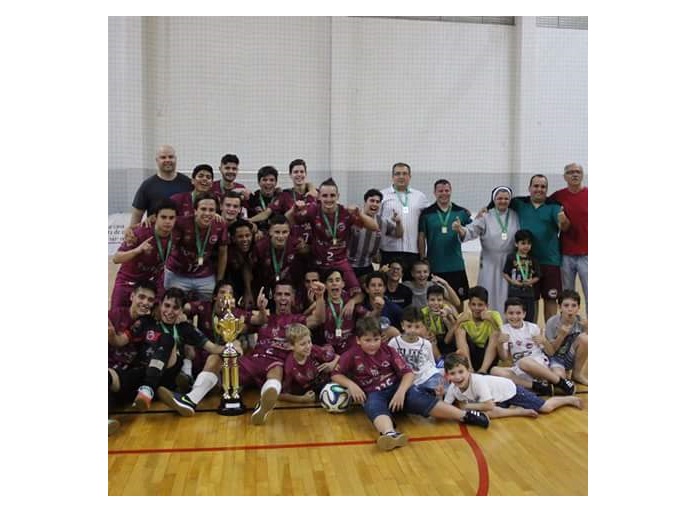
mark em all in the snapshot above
pixel 205 381
pixel 186 368
pixel 271 383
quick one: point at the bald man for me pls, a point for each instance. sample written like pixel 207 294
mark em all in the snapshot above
pixel 165 183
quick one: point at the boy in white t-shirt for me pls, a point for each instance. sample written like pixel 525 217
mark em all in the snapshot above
pixel 496 396
pixel 418 352
pixel 522 341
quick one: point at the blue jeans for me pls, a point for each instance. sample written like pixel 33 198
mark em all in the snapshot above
pixel 573 265
pixel 415 402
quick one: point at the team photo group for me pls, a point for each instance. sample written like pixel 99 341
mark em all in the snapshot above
pixel 223 287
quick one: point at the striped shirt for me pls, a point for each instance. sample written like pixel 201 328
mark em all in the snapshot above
pixel 416 201
pixel 364 243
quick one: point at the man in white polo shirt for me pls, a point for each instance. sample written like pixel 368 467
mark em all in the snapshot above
pixel 408 203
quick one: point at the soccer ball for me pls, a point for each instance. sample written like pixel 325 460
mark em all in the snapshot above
pixel 334 398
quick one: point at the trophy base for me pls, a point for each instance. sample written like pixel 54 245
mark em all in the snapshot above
pixel 231 408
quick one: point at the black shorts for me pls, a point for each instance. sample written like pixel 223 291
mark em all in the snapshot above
pixel 131 379
pixel 457 281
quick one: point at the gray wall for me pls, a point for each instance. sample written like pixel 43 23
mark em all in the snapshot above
pixel 481 105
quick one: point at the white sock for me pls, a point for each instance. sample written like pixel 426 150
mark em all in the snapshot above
pixel 186 368
pixel 271 383
pixel 205 381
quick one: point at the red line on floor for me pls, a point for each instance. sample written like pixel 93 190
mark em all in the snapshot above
pixel 480 458
pixel 480 461
pixel 271 446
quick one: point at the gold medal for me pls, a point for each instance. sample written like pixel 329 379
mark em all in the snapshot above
pixel 504 236
pixel 405 209
pixel 444 230
pixel 335 241
pixel 339 332
pixel 200 261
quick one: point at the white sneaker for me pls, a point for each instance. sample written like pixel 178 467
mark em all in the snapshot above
pixel 265 406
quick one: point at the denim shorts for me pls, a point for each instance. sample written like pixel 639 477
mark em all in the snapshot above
pixel 431 384
pixel 566 361
pixel 525 399
pixel 416 401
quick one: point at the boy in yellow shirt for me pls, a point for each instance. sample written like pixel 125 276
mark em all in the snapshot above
pixel 477 331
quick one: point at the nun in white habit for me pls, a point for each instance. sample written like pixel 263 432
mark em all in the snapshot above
pixel 496 229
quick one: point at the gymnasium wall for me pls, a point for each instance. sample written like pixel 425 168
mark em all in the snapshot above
pixel 479 104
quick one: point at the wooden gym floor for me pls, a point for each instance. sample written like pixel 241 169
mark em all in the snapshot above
pixel 303 450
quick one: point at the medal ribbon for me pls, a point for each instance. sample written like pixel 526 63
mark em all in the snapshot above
pixel 524 270
pixel 339 318
pixel 277 264
pixel 200 248
pixel 334 229
pixel 504 228
pixel 162 255
pixel 398 195
pixel 443 221
pixel 174 331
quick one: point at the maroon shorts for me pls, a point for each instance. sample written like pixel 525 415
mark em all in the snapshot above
pixel 549 287
pixel 253 369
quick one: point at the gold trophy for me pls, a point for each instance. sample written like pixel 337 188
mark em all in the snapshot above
pixel 229 327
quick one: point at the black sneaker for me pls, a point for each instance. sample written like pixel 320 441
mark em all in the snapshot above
pixel 542 388
pixel 475 417
pixel 566 386
pixel 392 440
pixel 180 403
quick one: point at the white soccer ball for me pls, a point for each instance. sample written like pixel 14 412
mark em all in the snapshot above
pixel 334 398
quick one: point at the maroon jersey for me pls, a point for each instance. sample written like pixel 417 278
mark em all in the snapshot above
pixel 327 253
pixel 148 266
pixel 121 357
pixel 372 372
pixel 206 320
pixel 184 203
pixel 347 338
pixel 183 260
pixel 264 271
pixel 284 202
pixel 300 378
pixel 218 189
pixel 271 336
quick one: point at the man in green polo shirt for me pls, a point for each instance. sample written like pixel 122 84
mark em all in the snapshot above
pixel 543 219
pixel 440 235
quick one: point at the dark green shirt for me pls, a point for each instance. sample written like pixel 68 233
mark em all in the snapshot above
pixel 444 249
pixel 542 222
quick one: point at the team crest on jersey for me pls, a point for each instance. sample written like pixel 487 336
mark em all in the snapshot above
pixel 151 336
pixel 528 345
pixel 213 239
pixel 553 293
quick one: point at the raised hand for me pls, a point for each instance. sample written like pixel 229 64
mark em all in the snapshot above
pixel 261 300
pixel 318 288
pixel 145 246
pixel 300 206
pixel 562 218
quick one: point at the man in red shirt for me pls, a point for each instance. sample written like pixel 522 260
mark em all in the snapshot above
pixel 574 240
